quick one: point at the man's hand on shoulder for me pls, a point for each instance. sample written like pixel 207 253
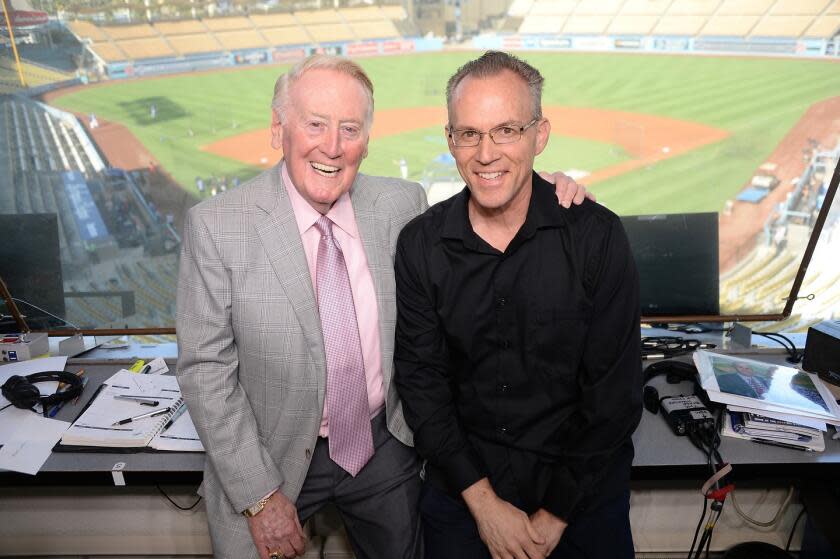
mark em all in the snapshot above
pixel 568 191
pixel 505 529
pixel 550 527
pixel 277 528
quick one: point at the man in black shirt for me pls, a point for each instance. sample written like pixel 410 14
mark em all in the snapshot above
pixel 517 355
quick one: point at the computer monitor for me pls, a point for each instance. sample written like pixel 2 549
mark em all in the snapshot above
pixel 678 263
pixel 30 265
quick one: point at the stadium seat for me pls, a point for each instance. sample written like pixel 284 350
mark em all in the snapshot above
pixel 586 24
pixel 693 7
pixel 824 27
pixel 180 27
pixel 781 26
pixel 195 43
pixel 728 25
pixel 632 24
pixel 744 7
pixel 679 25
pixel 273 20
pixel 318 16
pixel 645 7
pixel 121 32
pixel 227 23
pixel 798 7
pixel 293 35
pixel 236 40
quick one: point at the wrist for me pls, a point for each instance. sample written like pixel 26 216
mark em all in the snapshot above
pixel 258 507
pixel 479 495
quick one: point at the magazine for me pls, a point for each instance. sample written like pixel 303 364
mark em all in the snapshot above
pixel 765 386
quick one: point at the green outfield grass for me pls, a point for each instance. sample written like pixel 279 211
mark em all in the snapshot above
pixel 757 100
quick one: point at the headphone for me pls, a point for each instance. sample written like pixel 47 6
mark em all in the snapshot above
pixel 23 394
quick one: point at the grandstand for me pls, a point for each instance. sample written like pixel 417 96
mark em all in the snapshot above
pixel 761 281
pixel 116 43
pixel 715 18
pixel 55 168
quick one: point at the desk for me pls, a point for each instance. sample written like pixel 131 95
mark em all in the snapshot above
pixel 74 492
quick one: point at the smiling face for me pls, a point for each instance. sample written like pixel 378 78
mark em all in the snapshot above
pixel 498 176
pixel 324 136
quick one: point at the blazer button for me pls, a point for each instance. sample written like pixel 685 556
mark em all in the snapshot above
pixel 308 454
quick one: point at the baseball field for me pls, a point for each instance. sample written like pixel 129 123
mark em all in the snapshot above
pixel 654 133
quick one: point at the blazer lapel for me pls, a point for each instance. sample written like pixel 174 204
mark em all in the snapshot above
pixel 375 232
pixel 279 235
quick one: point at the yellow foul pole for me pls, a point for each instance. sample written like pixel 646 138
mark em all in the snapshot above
pixel 14 45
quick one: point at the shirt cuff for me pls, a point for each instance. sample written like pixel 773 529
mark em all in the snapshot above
pixel 462 470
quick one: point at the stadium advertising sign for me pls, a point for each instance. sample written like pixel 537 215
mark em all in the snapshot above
pixel 628 43
pixel 333 50
pixel 394 47
pixel 555 43
pixel 362 49
pixel 288 55
pixel 593 43
pixel 253 57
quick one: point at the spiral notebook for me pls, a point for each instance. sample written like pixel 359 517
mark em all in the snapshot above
pixel 129 395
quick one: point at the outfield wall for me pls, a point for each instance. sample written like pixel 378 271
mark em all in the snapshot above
pixel 663 44
pixel 157 66
pixel 819 48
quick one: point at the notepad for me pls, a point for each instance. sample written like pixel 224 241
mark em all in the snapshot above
pixel 95 427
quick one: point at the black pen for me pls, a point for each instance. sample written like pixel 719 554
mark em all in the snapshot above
pixel 142 400
pixel 782 445
pixel 141 416
pixel 174 417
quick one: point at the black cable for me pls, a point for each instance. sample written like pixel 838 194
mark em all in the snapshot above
pixel 697 530
pixel 4 407
pixel 176 505
pixel 665 347
pixel 793 530
pixel 793 355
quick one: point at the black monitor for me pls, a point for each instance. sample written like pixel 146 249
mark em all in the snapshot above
pixel 677 259
pixel 30 265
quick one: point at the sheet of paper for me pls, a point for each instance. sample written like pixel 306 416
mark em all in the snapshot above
pixel 31 443
pixel 181 436
pixel 24 368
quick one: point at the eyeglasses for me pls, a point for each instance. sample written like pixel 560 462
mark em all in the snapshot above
pixel 504 134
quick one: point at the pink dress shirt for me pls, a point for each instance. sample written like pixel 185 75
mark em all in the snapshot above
pixel 361 282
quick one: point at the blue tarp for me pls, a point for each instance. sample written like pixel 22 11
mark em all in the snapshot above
pixel 752 195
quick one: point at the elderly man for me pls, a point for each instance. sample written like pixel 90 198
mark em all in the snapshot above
pixel 285 322
pixel 517 356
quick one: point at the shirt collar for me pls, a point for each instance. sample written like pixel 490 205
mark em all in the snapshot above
pixel 544 210
pixel 341 213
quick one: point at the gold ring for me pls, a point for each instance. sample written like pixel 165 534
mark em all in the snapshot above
pixel 276 555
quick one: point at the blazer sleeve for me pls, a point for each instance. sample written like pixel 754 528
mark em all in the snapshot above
pixel 208 371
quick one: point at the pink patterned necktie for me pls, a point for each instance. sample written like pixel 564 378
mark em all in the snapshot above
pixel 757 387
pixel 350 438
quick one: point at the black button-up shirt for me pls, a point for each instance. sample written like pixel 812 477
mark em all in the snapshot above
pixel 522 366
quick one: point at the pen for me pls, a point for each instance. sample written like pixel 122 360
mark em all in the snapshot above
pixel 142 400
pixel 174 417
pixel 782 445
pixel 141 416
pixel 84 383
pixel 63 387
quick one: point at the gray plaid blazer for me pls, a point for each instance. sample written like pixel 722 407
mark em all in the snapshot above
pixel 251 359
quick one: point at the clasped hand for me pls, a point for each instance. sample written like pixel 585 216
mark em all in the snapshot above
pixel 277 529
pixel 509 532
